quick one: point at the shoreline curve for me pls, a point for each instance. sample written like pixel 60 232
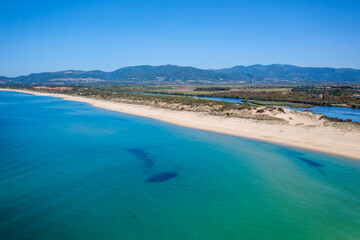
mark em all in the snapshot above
pixel 321 139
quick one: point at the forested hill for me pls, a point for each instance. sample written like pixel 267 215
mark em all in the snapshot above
pixel 290 73
pixel 172 74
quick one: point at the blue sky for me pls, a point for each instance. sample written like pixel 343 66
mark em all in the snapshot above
pixel 37 36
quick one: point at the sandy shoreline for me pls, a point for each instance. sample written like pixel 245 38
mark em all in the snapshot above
pixel 318 138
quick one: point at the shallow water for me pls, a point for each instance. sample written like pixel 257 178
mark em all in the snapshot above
pixel 72 171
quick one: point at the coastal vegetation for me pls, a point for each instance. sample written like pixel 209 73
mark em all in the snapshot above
pixel 295 96
pixel 212 89
pixel 303 99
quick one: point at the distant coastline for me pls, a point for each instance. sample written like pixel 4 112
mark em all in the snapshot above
pixel 328 139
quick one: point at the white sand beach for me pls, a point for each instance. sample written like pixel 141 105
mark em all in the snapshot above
pixel 302 130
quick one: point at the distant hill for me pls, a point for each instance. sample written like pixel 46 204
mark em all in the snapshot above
pixel 166 74
pixel 172 74
pixel 278 73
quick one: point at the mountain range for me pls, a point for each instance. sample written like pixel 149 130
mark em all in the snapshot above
pixel 173 74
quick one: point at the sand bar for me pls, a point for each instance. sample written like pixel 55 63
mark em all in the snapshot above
pixel 318 138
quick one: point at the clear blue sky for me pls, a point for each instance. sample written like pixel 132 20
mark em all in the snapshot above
pixel 37 36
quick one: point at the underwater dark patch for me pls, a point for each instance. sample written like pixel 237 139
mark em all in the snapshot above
pixel 162 177
pixel 291 151
pixel 311 163
pixel 141 154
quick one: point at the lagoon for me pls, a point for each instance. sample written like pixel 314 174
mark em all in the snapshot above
pixel 343 113
pixel 335 112
pixel 233 100
pixel 72 171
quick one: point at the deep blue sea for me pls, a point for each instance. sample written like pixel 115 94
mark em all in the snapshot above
pixel 72 171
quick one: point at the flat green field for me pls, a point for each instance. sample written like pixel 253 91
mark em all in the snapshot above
pixel 276 103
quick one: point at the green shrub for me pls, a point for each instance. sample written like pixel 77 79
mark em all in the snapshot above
pixel 280 110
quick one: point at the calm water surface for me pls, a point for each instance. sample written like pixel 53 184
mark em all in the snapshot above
pixel 233 100
pixel 72 171
pixel 338 112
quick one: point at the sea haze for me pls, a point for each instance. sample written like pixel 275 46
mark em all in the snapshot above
pixel 72 171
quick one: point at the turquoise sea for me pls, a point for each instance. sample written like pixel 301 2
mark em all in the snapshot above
pixel 72 171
